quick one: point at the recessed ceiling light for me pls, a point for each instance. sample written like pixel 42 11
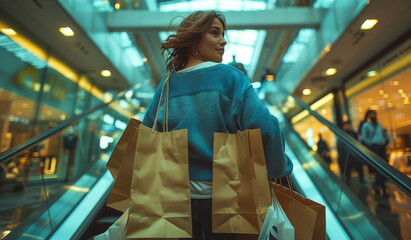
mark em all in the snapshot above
pixel 117 5
pixel 105 73
pixel 368 24
pixel 371 73
pixel 306 92
pixel 66 31
pixel 330 71
pixel 144 59
pixel 8 31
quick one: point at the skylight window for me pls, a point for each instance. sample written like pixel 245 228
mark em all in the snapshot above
pixel 298 46
pixel 323 3
pixel 21 53
pixel 130 50
pixel 102 6
pixel 223 5
pixel 241 43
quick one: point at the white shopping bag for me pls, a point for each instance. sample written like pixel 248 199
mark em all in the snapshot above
pixel 276 224
pixel 115 231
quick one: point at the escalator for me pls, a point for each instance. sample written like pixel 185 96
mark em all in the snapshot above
pixel 355 209
pixel 40 192
pixel 56 209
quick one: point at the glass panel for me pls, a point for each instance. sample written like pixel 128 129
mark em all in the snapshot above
pixel 390 100
pixel 75 156
pixel 348 183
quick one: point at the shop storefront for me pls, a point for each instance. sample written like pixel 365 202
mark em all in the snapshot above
pixel 386 89
pixel 35 96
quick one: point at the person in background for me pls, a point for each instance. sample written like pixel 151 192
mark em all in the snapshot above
pixel 205 97
pixel 238 65
pixel 323 150
pixel 366 116
pixel 376 139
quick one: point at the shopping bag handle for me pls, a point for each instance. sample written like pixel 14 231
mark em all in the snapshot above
pixel 165 109
pixel 290 185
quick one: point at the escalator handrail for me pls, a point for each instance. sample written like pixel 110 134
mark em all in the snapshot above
pixel 399 179
pixel 15 150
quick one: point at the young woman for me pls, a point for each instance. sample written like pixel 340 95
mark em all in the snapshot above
pixel 206 97
pixel 376 139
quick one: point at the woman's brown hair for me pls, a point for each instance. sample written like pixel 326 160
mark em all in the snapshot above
pixel 178 47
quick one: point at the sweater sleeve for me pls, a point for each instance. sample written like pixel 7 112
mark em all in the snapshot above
pixel 252 114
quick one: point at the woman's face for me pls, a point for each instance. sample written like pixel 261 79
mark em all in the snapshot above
pixel 212 42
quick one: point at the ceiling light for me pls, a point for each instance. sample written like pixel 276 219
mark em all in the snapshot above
pixel 396 83
pixel 330 71
pixel 105 73
pixel 117 5
pixel 144 59
pixel 306 92
pixel 385 95
pixel 371 73
pixel 327 48
pixel 370 100
pixel 269 77
pixel 8 31
pixel 381 92
pixel 400 91
pixel 374 107
pixel 368 24
pixel 390 104
pixel 66 31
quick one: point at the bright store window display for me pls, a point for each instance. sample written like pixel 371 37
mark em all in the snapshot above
pixel 390 99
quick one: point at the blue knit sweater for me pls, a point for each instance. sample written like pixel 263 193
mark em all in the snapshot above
pixel 217 99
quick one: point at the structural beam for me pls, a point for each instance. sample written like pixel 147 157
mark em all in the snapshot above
pixel 149 43
pixel 279 18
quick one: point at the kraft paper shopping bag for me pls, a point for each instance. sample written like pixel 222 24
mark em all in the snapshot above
pixel 118 153
pixel 307 216
pixel 116 230
pixel 119 198
pixel 160 205
pixel 241 193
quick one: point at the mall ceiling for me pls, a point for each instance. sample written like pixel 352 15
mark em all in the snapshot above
pixel 349 53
